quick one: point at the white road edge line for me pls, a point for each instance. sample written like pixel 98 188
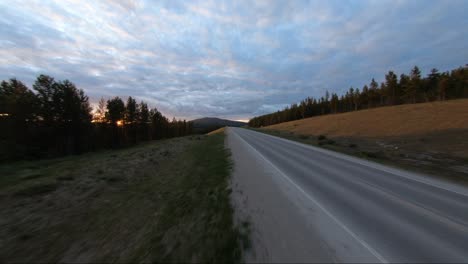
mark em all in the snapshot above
pixel 362 242
pixel 394 171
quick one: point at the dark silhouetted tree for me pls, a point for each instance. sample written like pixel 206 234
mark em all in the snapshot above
pixel 115 111
pixel 391 83
pixel 46 89
pixel 414 85
pixel 18 109
pixel 409 89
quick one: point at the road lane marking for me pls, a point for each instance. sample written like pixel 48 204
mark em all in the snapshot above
pixel 343 226
pixel 394 171
pixel 433 212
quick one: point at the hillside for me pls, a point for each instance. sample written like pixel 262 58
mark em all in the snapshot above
pixel 398 120
pixel 208 124
pixel 428 136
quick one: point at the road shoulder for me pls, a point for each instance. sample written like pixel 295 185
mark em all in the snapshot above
pixel 279 230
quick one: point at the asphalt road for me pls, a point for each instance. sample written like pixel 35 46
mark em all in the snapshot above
pixel 308 204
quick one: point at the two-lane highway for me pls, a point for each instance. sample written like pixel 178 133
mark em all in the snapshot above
pixel 351 210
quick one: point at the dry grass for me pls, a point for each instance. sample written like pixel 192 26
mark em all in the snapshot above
pixel 390 121
pixel 217 131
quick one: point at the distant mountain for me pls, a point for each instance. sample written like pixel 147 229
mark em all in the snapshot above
pixel 208 124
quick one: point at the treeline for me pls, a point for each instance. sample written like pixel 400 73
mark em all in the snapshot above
pixel 55 118
pixel 407 89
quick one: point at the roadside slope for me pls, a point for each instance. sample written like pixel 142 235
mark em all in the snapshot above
pixel 401 120
pixel 158 202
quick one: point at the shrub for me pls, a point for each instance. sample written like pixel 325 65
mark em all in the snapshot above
pixel 369 154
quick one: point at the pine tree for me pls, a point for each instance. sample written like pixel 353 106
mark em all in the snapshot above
pixel 414 86
pixel 115 111
pixel 373 93
pixel 431 84
pixel 130 111
pixel 391 83
pixel 46 89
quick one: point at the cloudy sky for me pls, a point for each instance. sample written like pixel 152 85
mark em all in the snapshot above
pixel 231 59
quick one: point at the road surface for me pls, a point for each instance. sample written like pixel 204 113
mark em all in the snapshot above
pixel 307 204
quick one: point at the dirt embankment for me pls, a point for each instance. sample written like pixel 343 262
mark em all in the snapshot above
pixel 428 136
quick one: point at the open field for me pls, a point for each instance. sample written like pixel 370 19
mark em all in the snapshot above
pixel 161 201
pixel 430 137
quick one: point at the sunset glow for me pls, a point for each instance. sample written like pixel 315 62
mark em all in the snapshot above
pixel 230 59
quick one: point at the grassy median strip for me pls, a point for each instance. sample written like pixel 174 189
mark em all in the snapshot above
pixel 164 201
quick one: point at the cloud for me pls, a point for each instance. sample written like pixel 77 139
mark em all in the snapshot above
pixel 233 59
